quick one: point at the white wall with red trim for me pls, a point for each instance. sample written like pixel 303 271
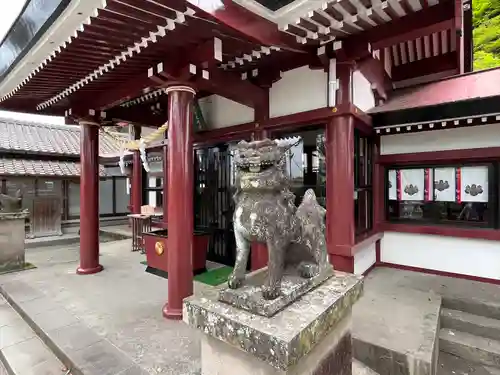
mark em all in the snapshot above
pixel 364 258
pixel 472 257
pixel 220 112
pixel 362 93
pixel 441 140
pixel 298 90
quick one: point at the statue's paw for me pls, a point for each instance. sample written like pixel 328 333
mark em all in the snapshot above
pixel 234 282
pixel 270 292
pixel 308 270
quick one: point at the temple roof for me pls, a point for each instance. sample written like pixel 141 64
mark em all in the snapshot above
pixel 41 168
pixel 476 85
pixel 47 139
pixel 125 49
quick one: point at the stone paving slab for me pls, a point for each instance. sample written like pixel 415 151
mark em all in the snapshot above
pixel 76 345
pixel 121 305
pixel 21 351
pixel 395 330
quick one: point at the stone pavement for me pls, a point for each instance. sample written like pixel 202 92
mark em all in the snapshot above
pixel 22 349
pixel 121 305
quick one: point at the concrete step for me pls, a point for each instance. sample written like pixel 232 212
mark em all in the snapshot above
pixel 359 368
pixel 451 365
pixel 472 348
pixel 76 346
pixel 21 350
pixel 470 323
pixel 476 306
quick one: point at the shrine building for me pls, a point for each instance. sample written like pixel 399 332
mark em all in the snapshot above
pixel 384 118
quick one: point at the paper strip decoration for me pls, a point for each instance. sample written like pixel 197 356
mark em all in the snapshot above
pixel 474 184
pixel 445 184
pixel 428 185
pixel 412 184
pixel 399 188
pixel 393 189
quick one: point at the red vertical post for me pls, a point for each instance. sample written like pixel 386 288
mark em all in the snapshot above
pixel 459 31
pixel 180 198
pixel 340 206
pixel 89 199
pixel 165 184
pixel 259 255
pixel 378 187
pixel 136 183
pixel 340 226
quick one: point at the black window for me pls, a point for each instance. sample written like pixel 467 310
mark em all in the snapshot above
pixel 363 180
pixel 274 5
pixel 449 195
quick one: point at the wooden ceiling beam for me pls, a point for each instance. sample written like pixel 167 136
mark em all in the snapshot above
pixel 409 26
pixel 254 27
pixel 424 67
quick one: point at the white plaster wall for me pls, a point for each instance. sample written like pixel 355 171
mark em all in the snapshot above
pixel 472 257
pixel 362 94
pixel 364 258
pixel 220 112
pixel 299 90
pixel 438 140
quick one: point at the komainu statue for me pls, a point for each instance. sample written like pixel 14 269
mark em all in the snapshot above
pixel 10 204
pixel 265 212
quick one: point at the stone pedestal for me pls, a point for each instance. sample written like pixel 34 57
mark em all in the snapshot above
pixel 12 236
pixel 310 336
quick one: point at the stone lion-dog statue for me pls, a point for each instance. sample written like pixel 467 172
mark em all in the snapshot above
pixel 265 212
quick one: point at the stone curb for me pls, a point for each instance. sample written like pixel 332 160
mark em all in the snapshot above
pixel 6 364
pixel 66 361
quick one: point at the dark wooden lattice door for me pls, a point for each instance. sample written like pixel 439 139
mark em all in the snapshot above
pixel 213 205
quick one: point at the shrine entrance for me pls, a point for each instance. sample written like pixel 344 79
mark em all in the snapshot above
pixel 213 205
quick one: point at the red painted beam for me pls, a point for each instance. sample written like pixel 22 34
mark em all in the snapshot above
pixel 374 71
pixel 425 67
pixel 405 28
pixel 458 35
pixel 413 34
pixel 254 27
pixel 142 114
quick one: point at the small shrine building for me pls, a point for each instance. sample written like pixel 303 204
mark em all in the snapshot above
pixel 376 97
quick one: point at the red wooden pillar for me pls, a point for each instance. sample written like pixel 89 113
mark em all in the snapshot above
pixel 259 255
pixel 136 183
pixel 165 185
pixel 89 199
pixel 180 198
pixel 340 192
pixel 340 226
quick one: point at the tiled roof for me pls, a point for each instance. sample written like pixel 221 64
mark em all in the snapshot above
pixel 475 85
pixel 23 167
pixel 51 139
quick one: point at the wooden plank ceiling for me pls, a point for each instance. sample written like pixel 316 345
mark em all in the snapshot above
pixel 106 61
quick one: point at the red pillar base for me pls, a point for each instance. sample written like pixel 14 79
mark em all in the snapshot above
pixel 343 263
pixel 171 313
pixel 259 256
pixel 89 271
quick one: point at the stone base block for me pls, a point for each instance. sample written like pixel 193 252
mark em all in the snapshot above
pixel 12 237
pixel 332 356
pixel 249 297
pixel 311 336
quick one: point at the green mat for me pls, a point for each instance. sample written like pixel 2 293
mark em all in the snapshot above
pixel 215 276
pixel 212 277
